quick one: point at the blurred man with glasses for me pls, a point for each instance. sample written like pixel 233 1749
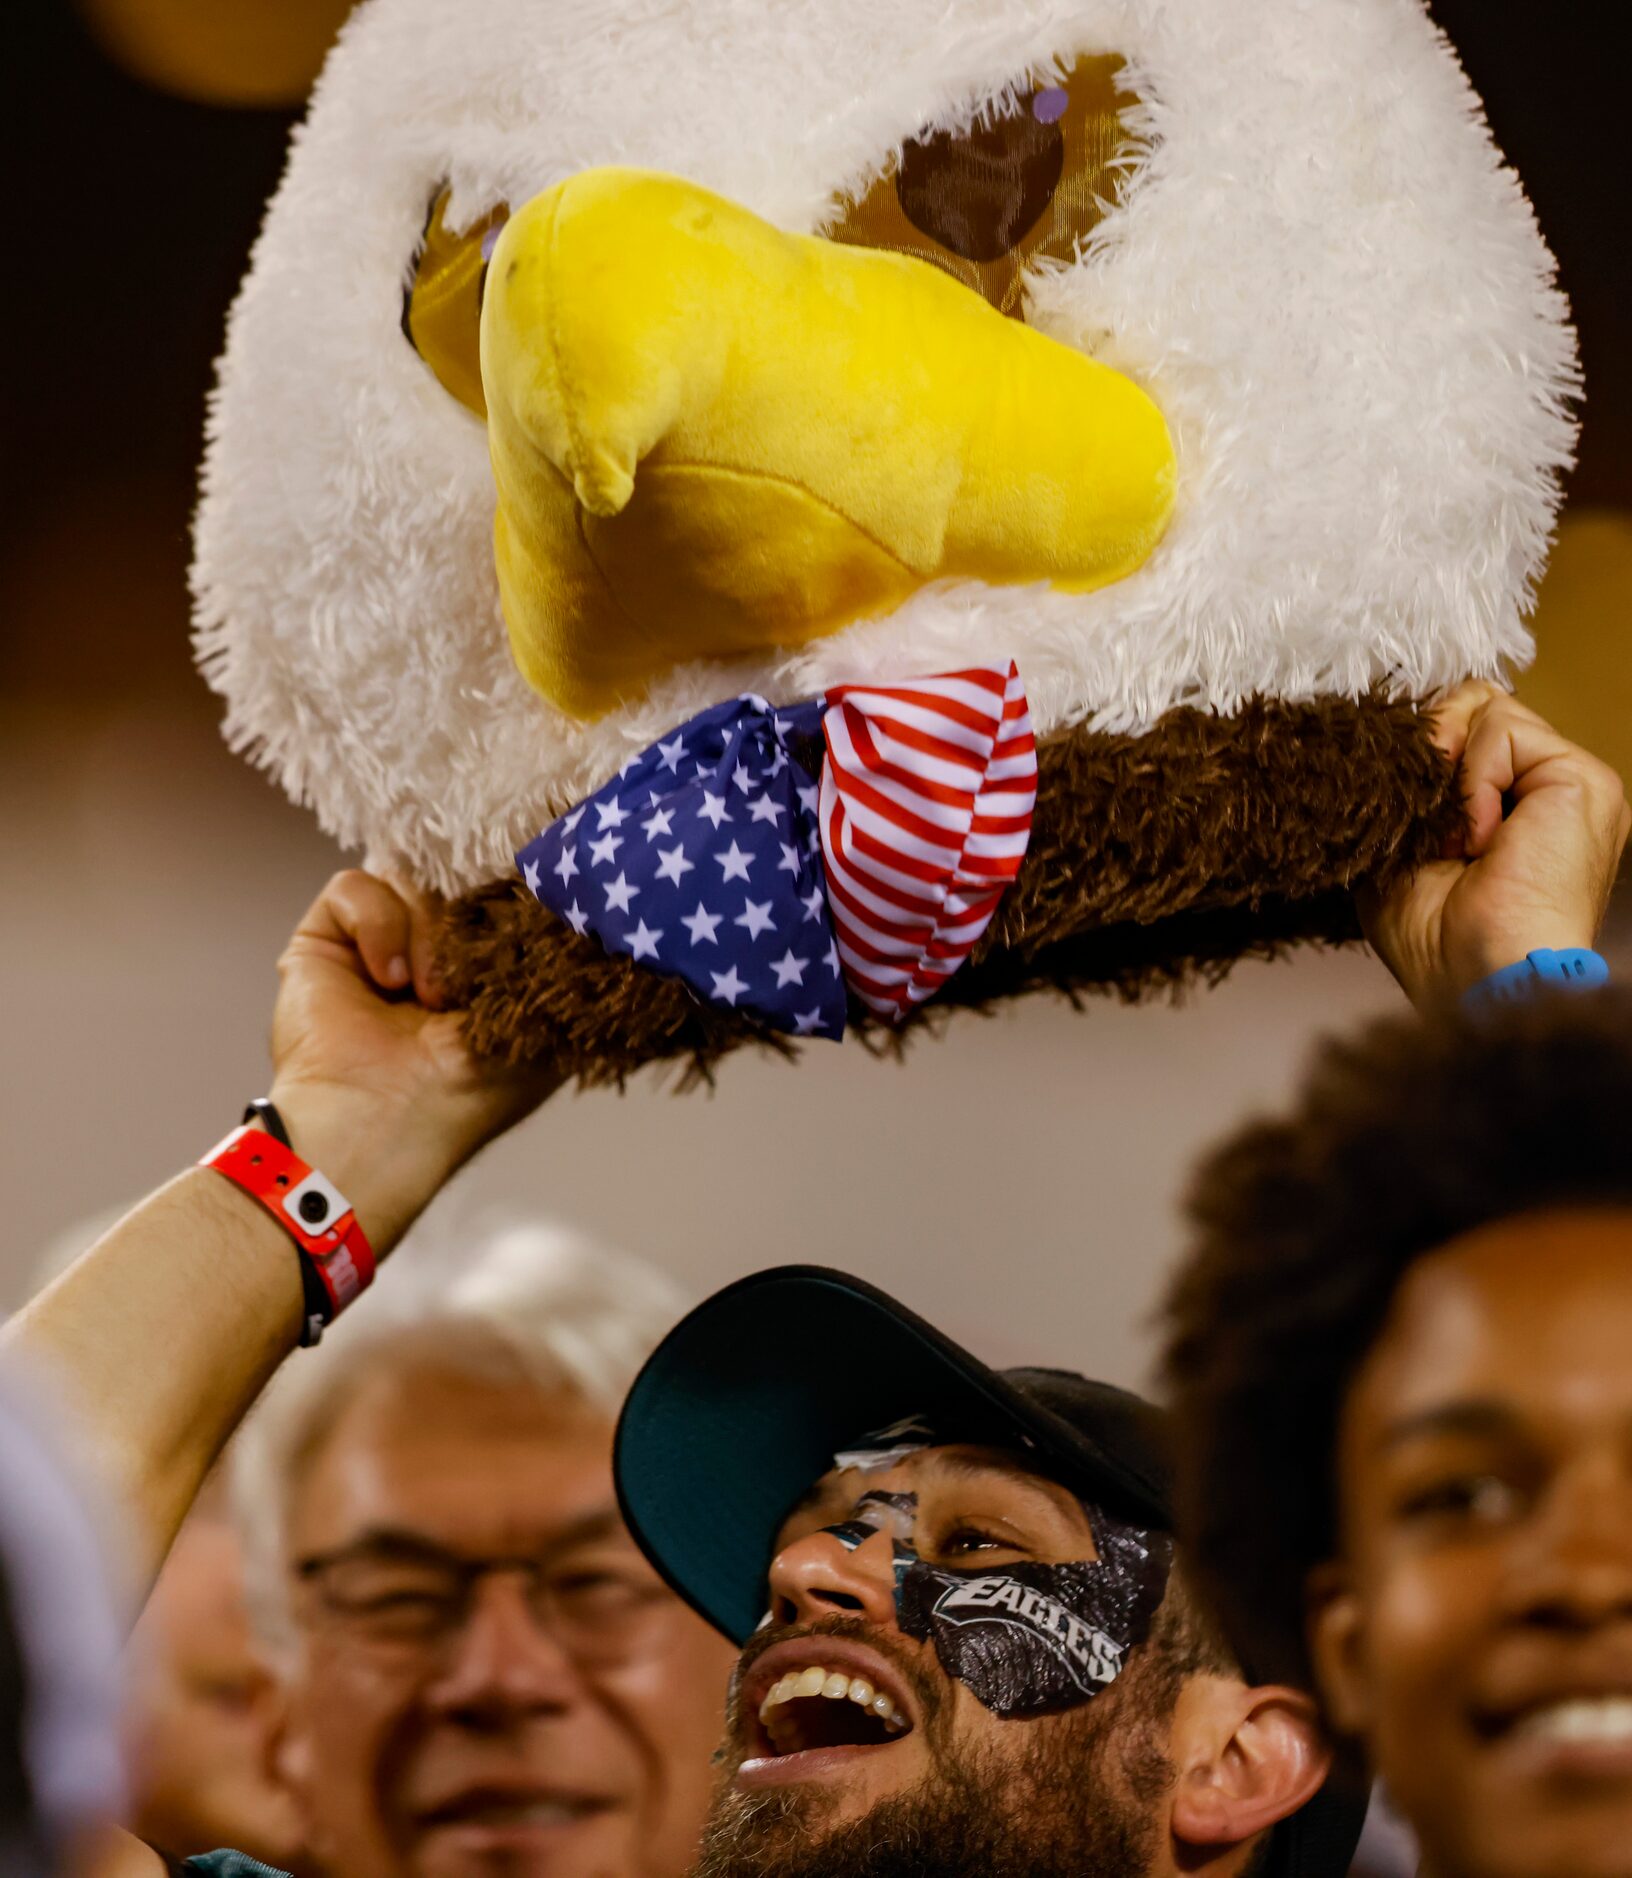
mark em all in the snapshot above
pixel 479 1672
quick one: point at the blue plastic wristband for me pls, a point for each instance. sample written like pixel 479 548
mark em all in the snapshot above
pixel 1574 969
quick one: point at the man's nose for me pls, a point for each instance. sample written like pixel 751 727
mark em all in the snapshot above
pixel 502 1666
pixel 1575 1569
pixel 820 1576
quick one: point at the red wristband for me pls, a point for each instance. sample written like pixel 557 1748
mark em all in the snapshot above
pixel 314 1213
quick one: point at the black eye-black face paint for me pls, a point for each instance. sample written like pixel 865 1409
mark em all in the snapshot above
pixel 1033 1639
pixel 893 1513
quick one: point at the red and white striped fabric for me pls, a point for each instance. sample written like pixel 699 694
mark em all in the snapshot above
pixel 925 812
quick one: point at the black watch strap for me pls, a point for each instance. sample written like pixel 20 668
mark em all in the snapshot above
pixel 265 1111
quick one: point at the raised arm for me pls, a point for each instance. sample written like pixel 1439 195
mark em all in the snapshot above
pixel 164 1332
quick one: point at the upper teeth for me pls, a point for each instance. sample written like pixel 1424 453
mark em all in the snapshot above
pixel 1583 1718
pixel 832 1683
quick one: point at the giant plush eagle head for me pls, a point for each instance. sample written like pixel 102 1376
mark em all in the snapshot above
pixel 1141 405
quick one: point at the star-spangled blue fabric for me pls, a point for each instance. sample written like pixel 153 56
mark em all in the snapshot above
pixel 701 859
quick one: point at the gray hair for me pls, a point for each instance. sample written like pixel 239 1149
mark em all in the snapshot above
pixel 522 1300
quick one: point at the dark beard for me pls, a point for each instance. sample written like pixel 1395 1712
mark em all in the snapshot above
pixel 1079 1801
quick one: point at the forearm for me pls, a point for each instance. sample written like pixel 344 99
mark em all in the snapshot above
pixel 163 1333
pixel 159 1337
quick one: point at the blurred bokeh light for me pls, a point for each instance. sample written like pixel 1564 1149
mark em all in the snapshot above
pixel 1582 678
pixel 231 52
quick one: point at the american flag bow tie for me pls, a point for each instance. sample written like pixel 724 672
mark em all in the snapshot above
pixel 716 857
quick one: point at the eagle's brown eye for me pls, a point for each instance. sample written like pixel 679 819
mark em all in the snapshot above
pixel 979 194
pixel 983 203
pixel 442 302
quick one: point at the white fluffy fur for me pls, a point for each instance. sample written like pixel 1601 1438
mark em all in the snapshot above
pixel 1321 271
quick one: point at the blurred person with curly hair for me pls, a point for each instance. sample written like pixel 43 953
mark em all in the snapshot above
pixel 1401 1359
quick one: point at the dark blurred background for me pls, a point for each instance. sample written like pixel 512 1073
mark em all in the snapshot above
pixel 146 876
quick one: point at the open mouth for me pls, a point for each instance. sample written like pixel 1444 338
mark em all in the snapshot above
pixel 819 1707
pixel 816 1700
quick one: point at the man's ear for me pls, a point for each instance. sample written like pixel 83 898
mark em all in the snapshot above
pixel 1336 1636
pixel 1247 1757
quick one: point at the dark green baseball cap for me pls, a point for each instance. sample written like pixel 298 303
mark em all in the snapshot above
pixel 743 1406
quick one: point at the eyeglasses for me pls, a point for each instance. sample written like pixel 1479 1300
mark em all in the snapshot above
pixel 415 1599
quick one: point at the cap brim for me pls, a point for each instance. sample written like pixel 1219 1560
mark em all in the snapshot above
pixel 742 1407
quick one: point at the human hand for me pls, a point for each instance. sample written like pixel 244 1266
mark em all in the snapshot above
pixel 1540 878
pixel 370 1073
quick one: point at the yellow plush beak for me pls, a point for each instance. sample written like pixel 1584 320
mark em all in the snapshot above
pixel 711 437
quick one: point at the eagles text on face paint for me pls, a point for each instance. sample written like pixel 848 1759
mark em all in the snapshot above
pixel 1090 1656
pixel 1037 1638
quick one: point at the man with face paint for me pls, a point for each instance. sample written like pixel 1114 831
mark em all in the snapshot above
pixel 968 1649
